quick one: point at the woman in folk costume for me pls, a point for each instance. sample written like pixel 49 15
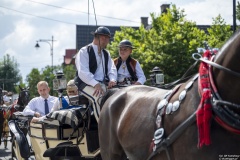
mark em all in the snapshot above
pixel 128 69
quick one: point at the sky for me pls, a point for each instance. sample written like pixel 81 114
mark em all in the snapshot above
pixel 23 22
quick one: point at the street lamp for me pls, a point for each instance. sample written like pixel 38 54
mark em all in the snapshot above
pixel 234 15
pixel 157 78
pixel 50 42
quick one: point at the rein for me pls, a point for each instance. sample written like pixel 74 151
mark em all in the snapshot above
pixel 211 63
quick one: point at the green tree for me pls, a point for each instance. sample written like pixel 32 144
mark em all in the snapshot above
pixel 9 73
pixel 23 85
pixel 33 78
pixel 69 72
pixel 219 32
pixel 238 11
pixel 169 44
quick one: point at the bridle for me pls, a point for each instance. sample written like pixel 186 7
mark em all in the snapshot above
pixel 24 96
pixel 222 109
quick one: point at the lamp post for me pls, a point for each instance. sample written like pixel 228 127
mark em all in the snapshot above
pixel 50 42
pixel 234 15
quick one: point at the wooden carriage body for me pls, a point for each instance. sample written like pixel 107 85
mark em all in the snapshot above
pixel 50 140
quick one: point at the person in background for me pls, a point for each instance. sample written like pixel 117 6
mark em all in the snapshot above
pixel 94 68
pixel 6 99
pixel 128 69
pixel 40 106
pixel 72 91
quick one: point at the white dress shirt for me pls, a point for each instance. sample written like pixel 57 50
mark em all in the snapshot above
pixel 82 65
pixel 56 107
pixel 124 73
pixel 37 104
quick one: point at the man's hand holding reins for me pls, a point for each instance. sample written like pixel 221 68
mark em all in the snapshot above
pixel 111 84
pixel 36 114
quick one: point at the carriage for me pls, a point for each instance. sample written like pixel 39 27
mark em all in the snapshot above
pixel 52 139
pixel 64 134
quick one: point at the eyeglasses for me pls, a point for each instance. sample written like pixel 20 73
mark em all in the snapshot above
pixel 70 91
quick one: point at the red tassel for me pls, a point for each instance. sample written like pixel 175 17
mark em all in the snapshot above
pixel 207 117
pixel 204 112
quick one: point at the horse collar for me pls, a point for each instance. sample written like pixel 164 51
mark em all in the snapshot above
pixel 166 107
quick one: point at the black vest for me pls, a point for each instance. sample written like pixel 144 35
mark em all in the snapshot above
pixel 130 69
pixel 92 66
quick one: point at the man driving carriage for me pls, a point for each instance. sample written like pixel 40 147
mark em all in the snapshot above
pixel 95 67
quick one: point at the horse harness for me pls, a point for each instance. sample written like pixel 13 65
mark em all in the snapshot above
pixel 222 114
pixel 167 107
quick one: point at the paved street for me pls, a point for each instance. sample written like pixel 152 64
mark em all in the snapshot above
pixel 5 153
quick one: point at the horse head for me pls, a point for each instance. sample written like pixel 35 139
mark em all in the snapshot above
pixel 226 86
pixel 227 83
pixel 24 97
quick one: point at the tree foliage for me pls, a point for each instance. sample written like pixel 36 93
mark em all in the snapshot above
pixel 69 71
pixel 9 73
pixel 238 11
pixel 169 43
pixel 33 78
pixel 219 32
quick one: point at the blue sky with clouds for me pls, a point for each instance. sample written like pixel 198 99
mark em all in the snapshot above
pixel 23 22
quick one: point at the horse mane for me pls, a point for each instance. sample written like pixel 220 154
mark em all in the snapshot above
pixel 108 94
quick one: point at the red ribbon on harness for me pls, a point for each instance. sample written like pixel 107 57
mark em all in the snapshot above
pixel 204 111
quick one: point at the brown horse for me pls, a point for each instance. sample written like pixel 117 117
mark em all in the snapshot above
pixel 128 122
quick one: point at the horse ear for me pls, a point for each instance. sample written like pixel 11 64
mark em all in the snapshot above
pixel 20 88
